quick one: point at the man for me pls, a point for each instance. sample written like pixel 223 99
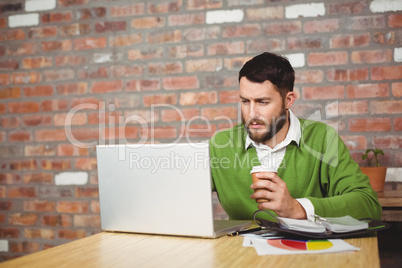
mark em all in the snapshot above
pixel 309 169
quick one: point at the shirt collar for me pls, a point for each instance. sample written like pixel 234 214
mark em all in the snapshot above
pixel 294 133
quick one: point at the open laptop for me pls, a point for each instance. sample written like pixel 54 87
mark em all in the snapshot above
pixel 159 189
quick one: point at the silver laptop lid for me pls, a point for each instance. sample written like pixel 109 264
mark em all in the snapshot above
pixel 156 188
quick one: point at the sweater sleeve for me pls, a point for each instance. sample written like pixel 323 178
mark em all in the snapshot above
pixel 348 190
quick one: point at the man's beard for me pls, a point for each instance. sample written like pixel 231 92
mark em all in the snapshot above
pixel 277 123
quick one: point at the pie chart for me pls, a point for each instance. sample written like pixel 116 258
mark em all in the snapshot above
pixel 289 244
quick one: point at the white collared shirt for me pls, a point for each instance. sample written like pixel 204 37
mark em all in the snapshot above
pixel 271 158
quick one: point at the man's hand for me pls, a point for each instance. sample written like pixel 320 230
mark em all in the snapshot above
pixel 275 190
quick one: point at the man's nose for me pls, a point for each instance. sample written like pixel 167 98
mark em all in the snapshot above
pixel 253 110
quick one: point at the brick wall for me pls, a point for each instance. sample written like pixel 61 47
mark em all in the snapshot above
pixel 78 70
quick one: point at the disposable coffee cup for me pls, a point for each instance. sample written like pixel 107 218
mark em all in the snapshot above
pixel 254 172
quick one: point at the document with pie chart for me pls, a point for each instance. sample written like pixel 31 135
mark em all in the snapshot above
pixel 289 246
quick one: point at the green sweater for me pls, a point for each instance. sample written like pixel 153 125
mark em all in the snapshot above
pixel 320 169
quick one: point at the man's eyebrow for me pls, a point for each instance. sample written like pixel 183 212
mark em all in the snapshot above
pixel 258 99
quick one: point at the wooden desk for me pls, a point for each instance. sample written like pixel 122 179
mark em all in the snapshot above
pixel 132 250
pixel 391 202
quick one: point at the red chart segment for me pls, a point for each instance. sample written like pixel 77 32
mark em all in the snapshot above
pixel 289 244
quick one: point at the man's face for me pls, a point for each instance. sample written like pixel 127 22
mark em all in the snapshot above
pixel 262 109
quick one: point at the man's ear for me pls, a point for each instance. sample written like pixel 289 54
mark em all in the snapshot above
pixel 290 99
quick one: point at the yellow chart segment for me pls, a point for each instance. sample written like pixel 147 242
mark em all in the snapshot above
pixel 319 245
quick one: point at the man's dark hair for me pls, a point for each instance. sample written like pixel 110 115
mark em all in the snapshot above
pixel 272 67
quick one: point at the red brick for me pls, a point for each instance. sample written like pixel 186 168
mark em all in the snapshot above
pixel 23 107
pixel 165 68
pixel 4 79
pixel 3 22
pixel 395 20
pixel 90 43
pixel 385 73
pixel 127 10
pixel 71 150
pixel 367 91
pixel 42 32
pixel 19 136
pixel 106 86
pixel 75 29
pixel 72 207
pixel 231 96
pixel 148 23
pixel 87 221
pixel 142 85
pixel 385 38
pixel 386 107
pixel 321 26
pixel 344 108
pixel 95 207
pixel 37 120
pixel 9 232
pixel 108 118
pixel 78 119
pixel 26 78
pixel 3 108
pixel 71 234
pixel 175 83
pixel 56 17
pixel 291 27
pixel 164 37
pixel 127 71
pixel 145 54
pixel 23 165
pixel 9 65
pixel 322 93
pixel 86 192
pixel 86 164
pixel 5 205
pixel 84 134
pixel 350 7
pixel 160 99
pixel 397 89
pixel 118 133
pixel 125 40
pixel 198 131
pixel 310 76
pixel 22 192
pixel 67 3
pixel 159 133
pixel 186 19
pixel 39 206
pixel 348 75
pixel 72 88
pixel 49 46
pixel 54 105
pixel 147 115
pixel 110 26
pixel 90 13
pixel 38 91
pixel 365 22
pixel 369 124
pixel 57 220
pixel 184 51
pixel 265 13
pixel 170 115
pixel 23 49
pixel 226 48
pixel 58 75
pixel 372 56
pixel 219 113
pixel 397 123
pixel 50 135
pixel 387 142
pixel 55 164
pixel 195 34
pixel 165 7
pixel 273 45
pixel 350 40
pixel 11 92
pixel 70 60
pixel 11 35
pixel 39 233
pixel 86 101
pixel 39 62
pixel 327 58
pixel 11 122
pixel 24 247
pixel 198 98
pixel 39 178
pixel 204 65
pixel 93 72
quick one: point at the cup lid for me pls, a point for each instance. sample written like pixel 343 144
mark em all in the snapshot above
pixel 262 169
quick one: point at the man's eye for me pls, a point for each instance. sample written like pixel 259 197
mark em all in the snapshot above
pixel 264 102
pixel 244 101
